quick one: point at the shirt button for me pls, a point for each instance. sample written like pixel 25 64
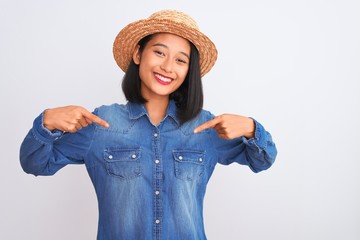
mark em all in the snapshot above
pixel 157 221
pixel 133 156
pixel 180 157
pixel 200 159
pixel 155 135
pixel 110 157
pixel 157 192
pixel 157 161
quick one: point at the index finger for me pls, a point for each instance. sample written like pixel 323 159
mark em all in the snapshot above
pixel 95 119
pixel 209 124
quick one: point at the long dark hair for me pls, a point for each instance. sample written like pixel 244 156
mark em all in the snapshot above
pixel 188 97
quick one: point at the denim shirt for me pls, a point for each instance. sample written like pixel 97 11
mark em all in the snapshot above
pixel 150 181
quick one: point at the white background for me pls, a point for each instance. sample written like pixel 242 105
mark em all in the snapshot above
pixel 292 65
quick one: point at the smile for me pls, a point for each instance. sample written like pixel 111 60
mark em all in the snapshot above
pixel 163 80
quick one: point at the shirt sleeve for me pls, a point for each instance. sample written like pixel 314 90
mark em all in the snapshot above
pixel 258 153
pixel 44 152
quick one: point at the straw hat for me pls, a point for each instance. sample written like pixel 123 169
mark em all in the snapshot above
pixel 169 21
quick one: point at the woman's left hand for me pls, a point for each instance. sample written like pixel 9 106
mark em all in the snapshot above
pixel 230 126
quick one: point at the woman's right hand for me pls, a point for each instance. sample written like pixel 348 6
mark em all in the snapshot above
pixel 70 119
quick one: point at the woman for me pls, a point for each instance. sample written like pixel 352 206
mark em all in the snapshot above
pixel 150 159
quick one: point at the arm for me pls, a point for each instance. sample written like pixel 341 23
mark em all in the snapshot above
pixel 242 140
pixel 45 150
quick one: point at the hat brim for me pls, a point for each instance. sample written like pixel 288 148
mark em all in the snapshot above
pixel 127 39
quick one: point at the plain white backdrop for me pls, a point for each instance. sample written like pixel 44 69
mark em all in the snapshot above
pixel 292 65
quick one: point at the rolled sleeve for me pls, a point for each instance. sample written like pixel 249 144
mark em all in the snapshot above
pixel 43 134
pixel 258 153
pixel 261 150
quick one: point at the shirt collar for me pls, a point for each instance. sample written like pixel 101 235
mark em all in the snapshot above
pixel 137 110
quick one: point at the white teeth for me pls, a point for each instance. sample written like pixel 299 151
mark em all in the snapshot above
pixel 162 78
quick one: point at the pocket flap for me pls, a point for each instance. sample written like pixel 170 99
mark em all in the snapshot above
pixel 190 156
pixel 117 154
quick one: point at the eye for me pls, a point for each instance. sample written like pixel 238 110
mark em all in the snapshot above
pixel 180 60
pixel 158 52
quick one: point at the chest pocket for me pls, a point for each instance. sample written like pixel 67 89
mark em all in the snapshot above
pixel 189 164
pixel 123 163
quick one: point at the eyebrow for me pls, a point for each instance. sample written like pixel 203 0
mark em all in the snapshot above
pixel 163 45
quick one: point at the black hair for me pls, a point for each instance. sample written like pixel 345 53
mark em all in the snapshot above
pixel 188 97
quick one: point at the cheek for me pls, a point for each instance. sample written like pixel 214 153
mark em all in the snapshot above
pixel 144 70
pixel 179 83
pixel 141 72
pixel 183 72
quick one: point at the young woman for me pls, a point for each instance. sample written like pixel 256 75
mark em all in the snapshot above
pixel 150 159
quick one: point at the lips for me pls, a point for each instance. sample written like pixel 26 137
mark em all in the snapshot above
pixel 162 79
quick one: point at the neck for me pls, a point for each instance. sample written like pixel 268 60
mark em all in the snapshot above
pixel 156 109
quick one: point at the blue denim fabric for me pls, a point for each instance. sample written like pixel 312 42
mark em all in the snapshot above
pixel 149 180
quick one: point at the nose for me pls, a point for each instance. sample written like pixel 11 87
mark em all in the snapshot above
pixel 166 65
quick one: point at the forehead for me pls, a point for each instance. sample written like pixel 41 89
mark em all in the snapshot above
pixel 171 41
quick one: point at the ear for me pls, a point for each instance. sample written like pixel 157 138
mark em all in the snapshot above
pixel 136 55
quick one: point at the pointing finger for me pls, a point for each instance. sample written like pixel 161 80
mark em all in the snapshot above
pixel 99 121
pixel 209 124
pixel 95 119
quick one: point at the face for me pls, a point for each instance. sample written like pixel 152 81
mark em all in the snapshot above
pixel 163 65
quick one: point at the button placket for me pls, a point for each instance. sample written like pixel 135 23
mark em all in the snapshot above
pixel 157 182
